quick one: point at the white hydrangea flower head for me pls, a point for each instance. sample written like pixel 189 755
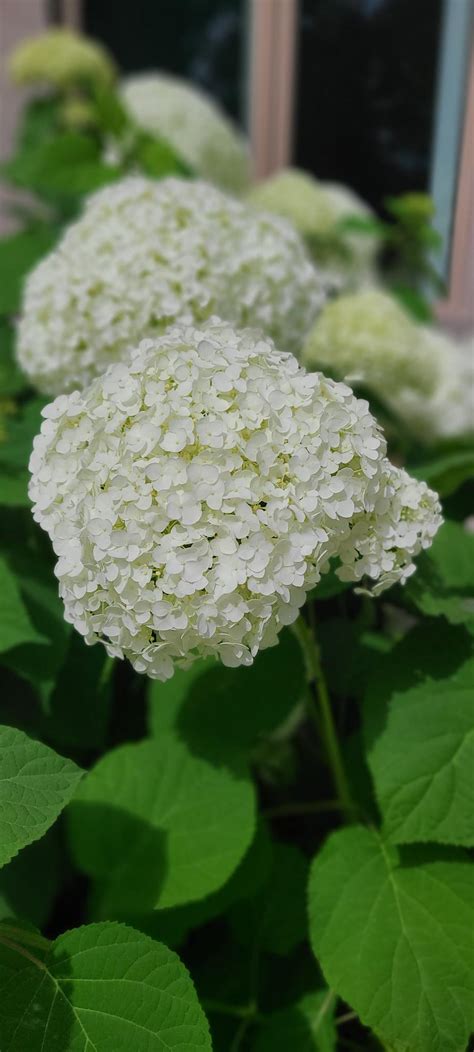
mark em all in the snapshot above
pixel 196 493
pixel 449 411
pixel 315 208
pixel 60 57
pixel 366 337
pixel 145 253
pixel 192 122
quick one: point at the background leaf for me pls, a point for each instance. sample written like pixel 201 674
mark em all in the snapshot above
pixel 35 785
pixel 99 987
pixel 306 1027
pixel 275 919
pixel 224 713
pixel 15 624
pixel 394 940
pixel 444 582
pixel 18 254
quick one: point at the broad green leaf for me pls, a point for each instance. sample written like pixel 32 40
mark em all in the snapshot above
pixel 99 988
pixel 18 254
pixel 20 895
pixel 158 826
pixel 444 582
pixel 422 761
pixel 67 165
pixel 306 1027
pixel 275 920
pixel 221 712
pixel 35 786
pixel 15 624
pixel 395 940
pixel 448 471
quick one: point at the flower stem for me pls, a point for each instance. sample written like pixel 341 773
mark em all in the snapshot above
pixel 320 711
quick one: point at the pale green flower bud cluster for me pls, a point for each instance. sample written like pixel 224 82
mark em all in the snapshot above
pixel 193 124
pixel 145 253
pixel 424 377
pixel 60 57
pixel 194 495
pixel 316 208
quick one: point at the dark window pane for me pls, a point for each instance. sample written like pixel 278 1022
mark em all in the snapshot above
pixel 202 40
pixel 366 92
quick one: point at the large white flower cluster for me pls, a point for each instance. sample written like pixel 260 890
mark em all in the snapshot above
pixel 195 494
pixel 316 209
pixel 366 337
pixel 146 253
pixel 193 124
pixel 424 377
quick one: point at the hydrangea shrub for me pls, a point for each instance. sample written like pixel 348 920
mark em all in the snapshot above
pixel 255 831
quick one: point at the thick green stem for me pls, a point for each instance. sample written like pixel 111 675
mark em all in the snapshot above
pixel 320 711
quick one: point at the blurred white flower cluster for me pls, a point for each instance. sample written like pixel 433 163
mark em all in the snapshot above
pixel 61 57
pixel 316 209
pixel 367 338
pixel 195 494
pixel 193 124
pixel 145 253
pixel 424 377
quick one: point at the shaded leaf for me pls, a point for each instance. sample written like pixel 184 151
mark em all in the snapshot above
pixel 306 1027
pixel 275 920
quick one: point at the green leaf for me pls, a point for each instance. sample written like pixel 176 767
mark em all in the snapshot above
pixel 422 761
pixel 15 624
pixel 444 582
pixel 35 786
pixel 68 165
pixel 79 705
pixel 157 158
pixel 329 586
pixel 99 988
pixel 18 254
pixel 395 941
pixel 20 896
pixel 21 429
pixel 38 122
pixel 306 1027
pixel 14 489
pixel 275 920
pixel 11 379
pixel 447 472
pixel 39 665
pixel 159 826
pixel 224 713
